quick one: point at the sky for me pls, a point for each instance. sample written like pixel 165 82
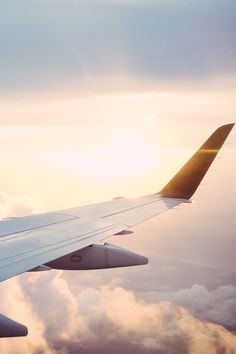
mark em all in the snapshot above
pixel 100 99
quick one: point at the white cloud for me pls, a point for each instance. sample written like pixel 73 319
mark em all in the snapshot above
pixel 110 316
pixel 15 305
pixel 18 205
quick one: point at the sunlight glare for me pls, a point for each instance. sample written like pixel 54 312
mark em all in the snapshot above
pixel 125 156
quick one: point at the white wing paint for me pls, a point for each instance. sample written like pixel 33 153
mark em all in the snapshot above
pixel 67 239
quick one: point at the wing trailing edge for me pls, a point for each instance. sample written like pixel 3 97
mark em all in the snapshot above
pixel 186 181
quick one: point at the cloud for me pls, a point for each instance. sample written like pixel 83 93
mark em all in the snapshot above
pixel 18 205
pixel 15 305
pixel 80 44
pixel 217 305
pixel 109 316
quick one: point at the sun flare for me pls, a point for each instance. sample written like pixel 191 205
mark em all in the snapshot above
pixel 125 155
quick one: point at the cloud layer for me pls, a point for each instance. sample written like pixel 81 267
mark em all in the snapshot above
pixel 107 319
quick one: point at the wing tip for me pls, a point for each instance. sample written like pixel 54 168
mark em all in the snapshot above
pixel 225 127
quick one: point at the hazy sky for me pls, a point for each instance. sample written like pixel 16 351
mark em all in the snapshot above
pixel 107 98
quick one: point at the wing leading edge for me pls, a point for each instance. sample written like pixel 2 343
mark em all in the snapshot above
pixel 59 239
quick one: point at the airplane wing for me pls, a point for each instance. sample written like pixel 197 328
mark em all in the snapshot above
pixel 68 239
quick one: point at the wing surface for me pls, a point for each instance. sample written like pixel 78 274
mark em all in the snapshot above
pixel 31 246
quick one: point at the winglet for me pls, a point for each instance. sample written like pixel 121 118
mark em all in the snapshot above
pixel 185 182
